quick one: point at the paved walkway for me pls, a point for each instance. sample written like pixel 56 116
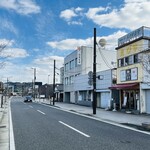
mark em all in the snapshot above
pixel 113 116
pixel 4 126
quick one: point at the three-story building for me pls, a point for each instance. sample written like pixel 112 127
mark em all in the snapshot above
pixel 77 65
pixel 133 72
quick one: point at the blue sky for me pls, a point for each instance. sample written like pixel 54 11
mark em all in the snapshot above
pixel 38 31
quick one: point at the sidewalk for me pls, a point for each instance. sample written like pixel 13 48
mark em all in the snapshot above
pixel 4 126
pixel 102 114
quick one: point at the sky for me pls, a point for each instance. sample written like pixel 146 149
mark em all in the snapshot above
pixel 38 31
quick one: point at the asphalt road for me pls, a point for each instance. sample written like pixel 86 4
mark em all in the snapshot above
pixel 39 127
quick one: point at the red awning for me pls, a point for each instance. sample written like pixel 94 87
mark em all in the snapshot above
pixel 125 86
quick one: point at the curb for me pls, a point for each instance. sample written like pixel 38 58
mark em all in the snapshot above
pixel 2 114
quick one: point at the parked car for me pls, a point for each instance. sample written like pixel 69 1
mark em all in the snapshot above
pixel 28 98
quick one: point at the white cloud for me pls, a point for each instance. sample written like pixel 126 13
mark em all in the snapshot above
pixel 23 7
pixel 72 44
pixel 132 15
pixel 79 9
pixel 24 73
pixel 71 15
pixel 68 14
pixel 68 44
pixel 12 53
pixel 75 23
pixel 49 60
pixel 44 66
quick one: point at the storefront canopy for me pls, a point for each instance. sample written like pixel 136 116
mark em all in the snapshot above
pixel 125 86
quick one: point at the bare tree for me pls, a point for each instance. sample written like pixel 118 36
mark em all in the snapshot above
pixel 3 57
pixel 145 61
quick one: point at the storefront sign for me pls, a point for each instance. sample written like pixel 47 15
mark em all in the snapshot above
pixel 129 74
pixel 130 36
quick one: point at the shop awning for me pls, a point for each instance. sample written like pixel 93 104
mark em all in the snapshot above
pixel 125 86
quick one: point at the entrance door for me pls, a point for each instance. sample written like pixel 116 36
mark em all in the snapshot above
pixel 105 99
pixel 148 101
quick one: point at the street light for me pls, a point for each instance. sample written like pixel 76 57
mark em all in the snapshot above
pixel 34 79
pixel 102 43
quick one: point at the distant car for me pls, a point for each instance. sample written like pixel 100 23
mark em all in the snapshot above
pixel 28 99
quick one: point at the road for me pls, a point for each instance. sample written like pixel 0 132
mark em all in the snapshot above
pixel 39 127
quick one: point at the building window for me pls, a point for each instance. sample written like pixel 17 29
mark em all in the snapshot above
pixel 71 79
pixel 126 61
pixel 76 62
pixel 66 67
pixel 136 59
pixel 72 64
pixel 130 60
pixel 121 62
pixel 66 81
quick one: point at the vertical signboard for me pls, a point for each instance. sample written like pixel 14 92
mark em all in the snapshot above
pixel 78 55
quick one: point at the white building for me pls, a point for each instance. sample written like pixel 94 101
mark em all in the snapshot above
pixel 77 66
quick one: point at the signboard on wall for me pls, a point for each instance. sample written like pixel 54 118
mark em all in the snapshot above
pixel 129 74
pixel 130 36
pixel 78 55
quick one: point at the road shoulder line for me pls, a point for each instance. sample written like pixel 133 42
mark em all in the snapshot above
pixel 11 132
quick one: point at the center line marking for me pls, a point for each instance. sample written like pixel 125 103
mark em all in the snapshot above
pixel 41 112
pixel 74 129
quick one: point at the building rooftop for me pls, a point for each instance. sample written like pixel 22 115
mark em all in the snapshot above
pixel 142 32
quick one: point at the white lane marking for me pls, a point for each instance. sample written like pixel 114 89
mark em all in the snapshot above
pixel 11 132
pixel 99 119
pixel 30 106
pixel 41 112
pixel 74 129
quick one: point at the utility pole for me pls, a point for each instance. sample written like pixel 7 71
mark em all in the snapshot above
pixel 54 84
pixel 7 87
pixel 34 81
pixel 94 75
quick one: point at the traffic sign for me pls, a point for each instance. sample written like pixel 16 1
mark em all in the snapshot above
pixel 90 74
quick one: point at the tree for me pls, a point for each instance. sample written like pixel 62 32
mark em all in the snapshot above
pixel 3 57
pixel 145 61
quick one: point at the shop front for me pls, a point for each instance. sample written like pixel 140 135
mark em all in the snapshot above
pixel 128 96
